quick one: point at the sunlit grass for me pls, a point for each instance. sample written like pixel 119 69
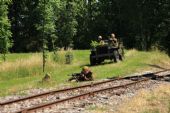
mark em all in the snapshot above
pixel 22 71
pixel 32 61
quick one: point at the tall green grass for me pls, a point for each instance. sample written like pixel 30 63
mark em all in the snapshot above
pixel 22 71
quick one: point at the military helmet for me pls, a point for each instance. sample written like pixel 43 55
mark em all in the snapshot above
pixel 112 35
pixel 99 37
pixel 85 68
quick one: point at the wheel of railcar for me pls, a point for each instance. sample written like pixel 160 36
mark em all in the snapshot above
pixel 99 61
pixel 102 60
pixel 92 60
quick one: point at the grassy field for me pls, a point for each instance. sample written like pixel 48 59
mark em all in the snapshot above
pixel 24 71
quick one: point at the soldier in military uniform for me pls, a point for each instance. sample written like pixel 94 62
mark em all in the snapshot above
pixel 85 75
pixel 101 42
pixel 113 41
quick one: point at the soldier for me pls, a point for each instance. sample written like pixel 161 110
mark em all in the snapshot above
pixel 101 42
pixel 114 42
pixel 86 74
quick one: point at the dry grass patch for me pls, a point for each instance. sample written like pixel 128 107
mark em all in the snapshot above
pixel 20 63
pixel 33 61
pixel 97 109
pixel 27 68
pixel 132 52
pixel 160 59
pixel 156 101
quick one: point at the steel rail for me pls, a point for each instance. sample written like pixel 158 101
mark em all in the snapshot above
pixel 56 91
pixel 73 88
pixel 149 75
pixel 161 71
pixel 47 105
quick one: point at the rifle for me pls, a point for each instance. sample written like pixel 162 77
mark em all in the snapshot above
pixel 75 76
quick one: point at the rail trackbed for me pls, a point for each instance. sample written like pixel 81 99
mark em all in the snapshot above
pixel 55 97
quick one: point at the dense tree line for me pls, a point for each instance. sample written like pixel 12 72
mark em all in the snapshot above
pixel 140 24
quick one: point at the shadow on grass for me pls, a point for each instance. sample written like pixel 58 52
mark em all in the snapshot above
pixel 156 66
pixel 103 63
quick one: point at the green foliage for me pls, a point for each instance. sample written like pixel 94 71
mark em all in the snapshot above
pixel 23 71
pixel 5 33
pixel 94 44
pixel 28 18
pixel 46 24
pixel 141 24
pixel 22 15
pixel 66 24
pixel 55 55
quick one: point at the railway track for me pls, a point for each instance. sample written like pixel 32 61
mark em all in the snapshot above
pixel 138 79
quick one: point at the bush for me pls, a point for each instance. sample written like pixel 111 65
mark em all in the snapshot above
pixel 94 44
pixel 55 56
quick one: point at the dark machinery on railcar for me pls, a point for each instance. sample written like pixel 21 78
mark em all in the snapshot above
pixel 101 53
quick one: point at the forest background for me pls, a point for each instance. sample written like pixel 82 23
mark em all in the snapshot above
pixel 31 25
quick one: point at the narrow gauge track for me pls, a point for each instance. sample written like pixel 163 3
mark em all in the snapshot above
pixel 91 93
pixel 148 75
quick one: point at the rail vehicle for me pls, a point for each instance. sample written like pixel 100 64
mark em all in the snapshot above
pixel 103 52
